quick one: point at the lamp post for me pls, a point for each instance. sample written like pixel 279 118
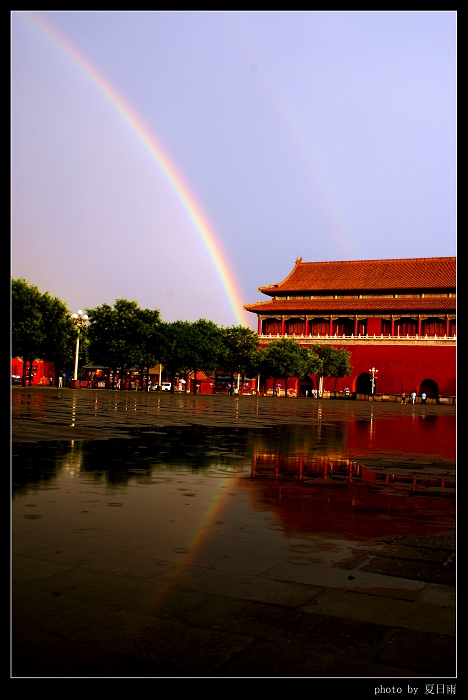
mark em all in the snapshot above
pixel 373 371
pixel 79 321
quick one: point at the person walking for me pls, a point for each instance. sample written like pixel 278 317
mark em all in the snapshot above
pixel 403 397
pixel 413 396
pixel 423 397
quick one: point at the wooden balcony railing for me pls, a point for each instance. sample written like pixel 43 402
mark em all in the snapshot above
pixel 363 338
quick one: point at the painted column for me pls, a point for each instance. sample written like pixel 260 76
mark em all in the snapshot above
pixel 330 332
pixel 447 326
pixel 259 327
pixel 419 324
pixel 306 326
pixel 356 325
pixel 282 325
pixel 392 330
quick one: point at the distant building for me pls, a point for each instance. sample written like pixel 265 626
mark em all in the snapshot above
pixel 41 371
pixel 395 316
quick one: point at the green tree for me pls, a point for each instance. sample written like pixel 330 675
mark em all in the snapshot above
pixel 59 334
pixel 175 341
pixel 335 363
pixel 188 347
pixel 123 336
pixel 313 363
pixel 284 358
pixel 148 341
pixel 42 328
pixel 27 336
pixel 239 345
pixel 205 347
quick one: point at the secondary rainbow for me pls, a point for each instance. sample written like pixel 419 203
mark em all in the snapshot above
pixel 302 144
pixel 202 224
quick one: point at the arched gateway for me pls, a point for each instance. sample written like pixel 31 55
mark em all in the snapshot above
pixel 305 386
pixel 429 387
pixel 364 384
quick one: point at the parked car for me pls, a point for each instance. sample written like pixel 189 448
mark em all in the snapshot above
pixel 15 379
pixel 166 386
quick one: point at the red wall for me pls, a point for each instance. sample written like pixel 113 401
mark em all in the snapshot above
pixel 403 367
pixel 400 368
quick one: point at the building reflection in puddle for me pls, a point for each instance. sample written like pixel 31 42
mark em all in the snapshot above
pixel 309 481
pixel 353 478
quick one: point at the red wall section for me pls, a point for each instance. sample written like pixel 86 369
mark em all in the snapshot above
pixel 374 326
pixel 404 367
pixel 400 368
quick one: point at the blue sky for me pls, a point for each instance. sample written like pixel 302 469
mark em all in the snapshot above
pixel 321 135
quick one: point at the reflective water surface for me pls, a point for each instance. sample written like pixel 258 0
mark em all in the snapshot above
pixel 170 487
pixel 347 466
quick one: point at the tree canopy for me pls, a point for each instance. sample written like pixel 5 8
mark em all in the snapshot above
pixel 285 358
pixel 335 362
pixel 238 353
pixel 41 327
pixel 187 347
pixel 27 327
pixel 123 336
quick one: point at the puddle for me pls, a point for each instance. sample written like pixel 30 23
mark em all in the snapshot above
pixel 356 472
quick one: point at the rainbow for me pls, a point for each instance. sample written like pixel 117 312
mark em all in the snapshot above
pixel 193 208
pixel 291 123
pixel 194 546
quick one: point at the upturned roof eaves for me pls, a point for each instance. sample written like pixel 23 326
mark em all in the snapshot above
pixel 372 305
pixel 368 275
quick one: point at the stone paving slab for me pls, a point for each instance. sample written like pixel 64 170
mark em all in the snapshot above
pixel 436 594
pixel 427 653
pixel 385 611
pixel 420 571
pixel 266 590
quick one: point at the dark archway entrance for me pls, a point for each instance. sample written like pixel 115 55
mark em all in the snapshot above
pixel 305 386
pixel 430 388
pixel 364 384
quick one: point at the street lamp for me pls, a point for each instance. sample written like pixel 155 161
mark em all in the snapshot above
pixel 373 371
pixel 79 321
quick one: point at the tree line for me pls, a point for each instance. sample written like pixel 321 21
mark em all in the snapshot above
pixel 125 336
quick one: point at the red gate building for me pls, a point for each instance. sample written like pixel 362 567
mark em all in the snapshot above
pixel 397 318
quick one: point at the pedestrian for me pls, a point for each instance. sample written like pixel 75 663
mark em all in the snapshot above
pixel 423 397
pixel 60 382
pixel 403 397
pixel 413 396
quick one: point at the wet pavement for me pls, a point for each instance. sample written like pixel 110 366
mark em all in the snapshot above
pixel 158 535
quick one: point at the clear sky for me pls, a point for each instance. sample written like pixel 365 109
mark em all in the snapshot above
pixel 182 159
